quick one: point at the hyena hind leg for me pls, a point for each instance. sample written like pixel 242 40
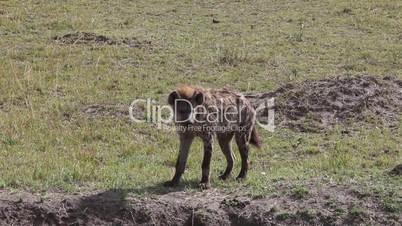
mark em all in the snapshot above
pixel 242 143
pixel 224 140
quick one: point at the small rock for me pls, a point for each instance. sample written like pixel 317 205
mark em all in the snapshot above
pixel 396 171
pixel 215 21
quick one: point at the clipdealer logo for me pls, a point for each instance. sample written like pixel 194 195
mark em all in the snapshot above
pixel 163 115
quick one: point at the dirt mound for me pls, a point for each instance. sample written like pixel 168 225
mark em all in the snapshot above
pixel 315 105
pixel 106 110
pixel 84 38
pixel 117 111
pixel 94 39
pixel 329 205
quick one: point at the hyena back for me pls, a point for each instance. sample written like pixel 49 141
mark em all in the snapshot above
pixel 204 113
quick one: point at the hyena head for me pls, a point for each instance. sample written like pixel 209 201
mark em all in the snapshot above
pixel 184 100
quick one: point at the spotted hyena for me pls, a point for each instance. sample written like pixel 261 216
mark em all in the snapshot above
pixel 203 113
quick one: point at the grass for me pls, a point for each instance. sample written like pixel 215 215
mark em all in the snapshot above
pixel 356 211
pixel 255 46
pixel 299 192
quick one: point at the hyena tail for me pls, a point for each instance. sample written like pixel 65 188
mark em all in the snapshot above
pixel 255 139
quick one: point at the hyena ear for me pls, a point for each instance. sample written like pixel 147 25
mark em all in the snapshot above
pixel 199 98
pixel 172 97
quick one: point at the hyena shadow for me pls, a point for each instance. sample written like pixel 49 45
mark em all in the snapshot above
pixel 160 189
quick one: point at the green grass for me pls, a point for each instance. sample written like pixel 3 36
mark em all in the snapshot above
pixel 256 46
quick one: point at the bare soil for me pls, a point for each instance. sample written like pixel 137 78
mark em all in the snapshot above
pixel 327 204
pixel 106 110
pixel 92 38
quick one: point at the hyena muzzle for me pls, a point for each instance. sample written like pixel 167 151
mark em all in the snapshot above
pixel 204 113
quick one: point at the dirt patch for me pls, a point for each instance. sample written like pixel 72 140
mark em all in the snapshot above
pixel 316 105
pixel 95 39
pixel 324 204
pixel 112 110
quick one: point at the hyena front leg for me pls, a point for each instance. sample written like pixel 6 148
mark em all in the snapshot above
pixel 206 162
pixel 224 142
pixel 185 143
pixel 242 143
